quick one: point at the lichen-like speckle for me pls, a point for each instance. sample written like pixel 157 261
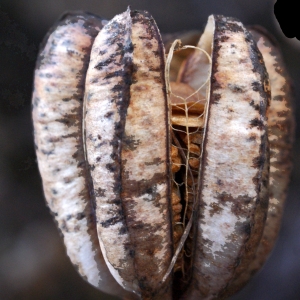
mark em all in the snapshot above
pixel 281 135
pixel 57 117
pixel 133 218
pixel 234 136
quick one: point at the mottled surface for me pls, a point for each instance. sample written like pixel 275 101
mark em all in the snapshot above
pixel 145 175
pixel 23 211
pixel 234 171
pixel 57 117
pixel 281 136
pixel 106 102
pixel 127 146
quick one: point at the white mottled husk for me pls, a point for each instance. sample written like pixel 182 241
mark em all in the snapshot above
pixel 100 129
pixel 57 114
pixel 127 150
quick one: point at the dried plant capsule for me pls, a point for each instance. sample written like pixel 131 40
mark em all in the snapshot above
pixel 175 178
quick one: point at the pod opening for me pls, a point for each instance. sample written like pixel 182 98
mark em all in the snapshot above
pixel 189 86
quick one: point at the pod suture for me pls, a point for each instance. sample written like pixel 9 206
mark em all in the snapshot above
pixel 160 186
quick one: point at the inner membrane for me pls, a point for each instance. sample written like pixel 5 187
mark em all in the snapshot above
pixel 189 86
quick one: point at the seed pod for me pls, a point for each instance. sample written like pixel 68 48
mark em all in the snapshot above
pixel 175 177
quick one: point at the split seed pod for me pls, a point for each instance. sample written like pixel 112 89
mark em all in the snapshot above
pixel 161 189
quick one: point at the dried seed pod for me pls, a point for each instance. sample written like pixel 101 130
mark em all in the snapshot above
pixel 179 182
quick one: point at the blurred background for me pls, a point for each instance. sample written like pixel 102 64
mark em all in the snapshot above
pixel 33 263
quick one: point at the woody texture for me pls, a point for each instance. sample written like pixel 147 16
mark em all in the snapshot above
pixel 165 171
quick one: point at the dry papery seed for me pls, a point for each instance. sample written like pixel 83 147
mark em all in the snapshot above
pixel 159 179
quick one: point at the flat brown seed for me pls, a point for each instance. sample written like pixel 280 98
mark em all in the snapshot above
pixel 187 121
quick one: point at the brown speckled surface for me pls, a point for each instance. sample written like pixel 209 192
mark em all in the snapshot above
pixel 33 264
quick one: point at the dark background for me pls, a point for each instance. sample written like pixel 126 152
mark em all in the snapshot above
pixel 286 14
pixel 33 264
